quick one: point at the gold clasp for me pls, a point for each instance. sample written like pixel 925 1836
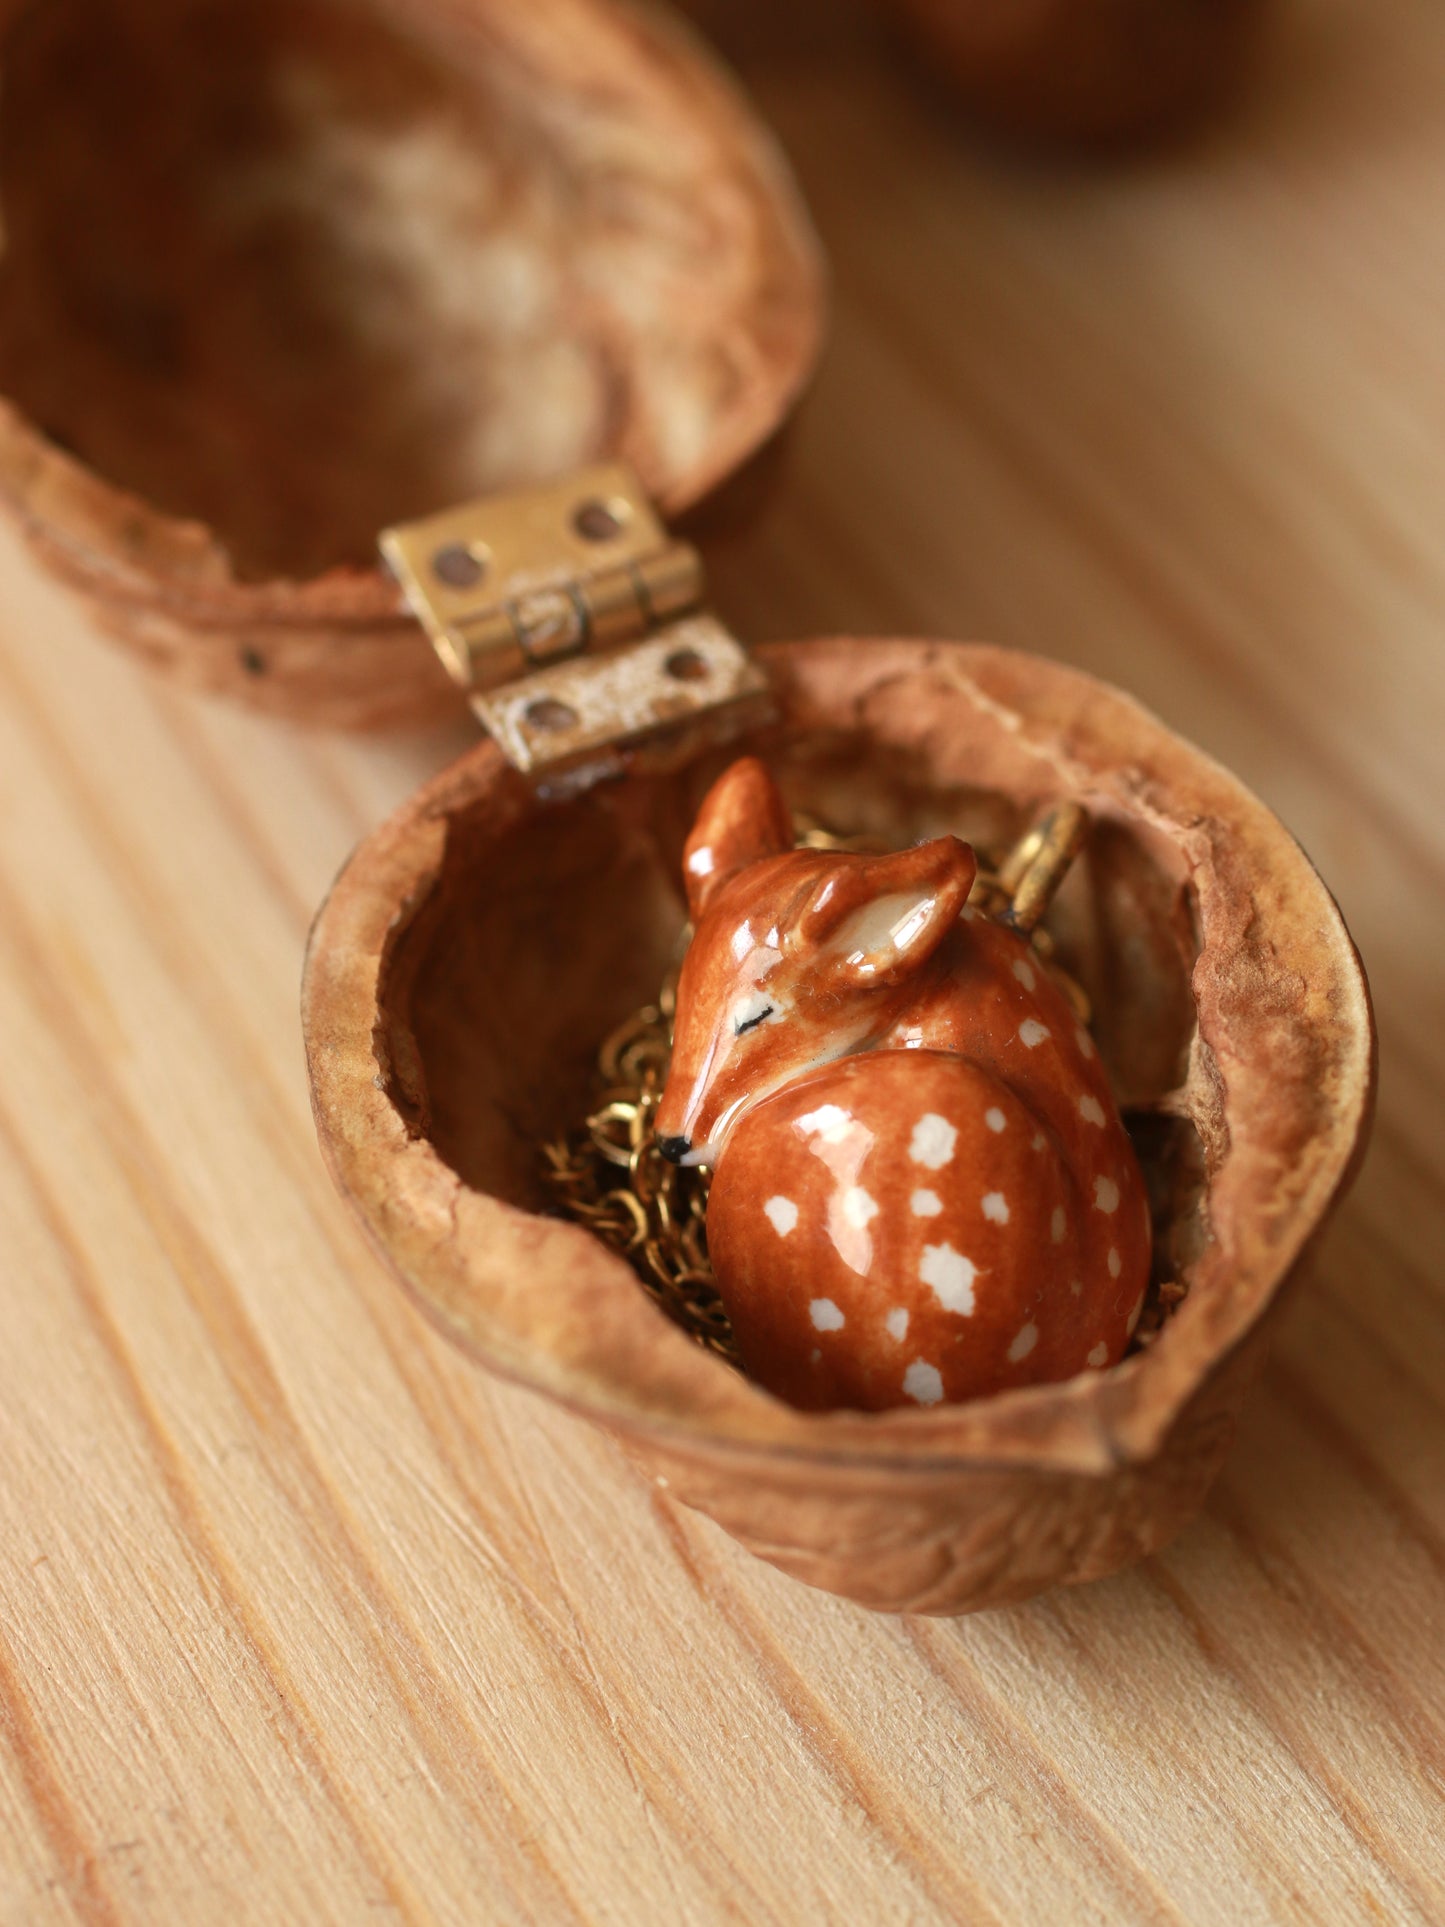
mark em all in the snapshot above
pixel 1038 864
pixel 573 620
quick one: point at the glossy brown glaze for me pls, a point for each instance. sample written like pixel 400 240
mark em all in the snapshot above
pixel 923 1189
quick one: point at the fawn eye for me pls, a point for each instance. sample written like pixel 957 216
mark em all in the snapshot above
pixel 752 1021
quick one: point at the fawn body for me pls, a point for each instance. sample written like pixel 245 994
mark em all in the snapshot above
pixel 922 1188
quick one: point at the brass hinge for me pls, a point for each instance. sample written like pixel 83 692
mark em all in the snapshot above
pixel 574 622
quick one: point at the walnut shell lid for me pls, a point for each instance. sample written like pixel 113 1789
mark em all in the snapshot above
pixel 479 944
pixel 275 275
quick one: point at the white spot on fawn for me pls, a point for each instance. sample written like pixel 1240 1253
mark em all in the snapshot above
pixel 995 1207
pixel 701 862
pixel 896 1324
pixel 933 1141
pixel 1032 1032
pixel 1077 1289
pixel 829 1122
pixel 926 1204
pixel 858 1207
pixel 1038 1141
pixel 1025 973
pixel 1084 1041
pixel 994 1118
pixel 825 1315
pixel 1024 1343
pixel 1090 1109
pixel 1098 1356
pixel 1106 1195
pixel 951 1276
pixel 1058 1224
pixel 1115 1266
pixel 923 1383
pixel 782 1214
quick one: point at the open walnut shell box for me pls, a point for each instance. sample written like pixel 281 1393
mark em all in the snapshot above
pixel 481 943
pixel 274 275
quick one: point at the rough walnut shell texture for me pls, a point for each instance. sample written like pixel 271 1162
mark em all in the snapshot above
pixel 480 943
pixel 275 275
pixel 1086 70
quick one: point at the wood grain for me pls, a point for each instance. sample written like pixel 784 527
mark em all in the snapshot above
pixel 300 1618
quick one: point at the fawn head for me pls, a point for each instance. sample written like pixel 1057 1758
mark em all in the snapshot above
pixel 798 956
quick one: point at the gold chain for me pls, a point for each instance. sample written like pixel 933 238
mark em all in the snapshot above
pixel 609 1175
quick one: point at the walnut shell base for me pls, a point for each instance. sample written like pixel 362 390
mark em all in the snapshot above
pixel 276 274
pixel 479 944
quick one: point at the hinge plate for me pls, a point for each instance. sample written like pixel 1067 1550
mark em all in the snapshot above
pixel 692 682
pixel 513 582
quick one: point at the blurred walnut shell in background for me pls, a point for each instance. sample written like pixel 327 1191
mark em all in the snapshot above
pixel 481 943
pixel 1086 70
pixel 276 273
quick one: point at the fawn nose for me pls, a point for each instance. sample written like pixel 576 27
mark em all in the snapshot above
pixel 674 1149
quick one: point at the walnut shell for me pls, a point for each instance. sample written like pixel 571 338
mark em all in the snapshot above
pixel 276 273
pixel 479 945
pixel 1092 71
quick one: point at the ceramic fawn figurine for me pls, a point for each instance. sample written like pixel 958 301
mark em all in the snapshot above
pixel 922 1189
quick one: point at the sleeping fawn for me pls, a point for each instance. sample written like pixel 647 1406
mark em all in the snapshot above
pixel 922 1188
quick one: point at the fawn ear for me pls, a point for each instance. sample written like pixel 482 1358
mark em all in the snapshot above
pixel 875 919
pixel 743 819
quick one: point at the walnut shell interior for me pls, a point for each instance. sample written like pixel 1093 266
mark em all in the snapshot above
pixel 277 273
pixel 482 942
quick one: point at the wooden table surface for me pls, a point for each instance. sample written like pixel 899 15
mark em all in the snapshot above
pixel 301 1619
